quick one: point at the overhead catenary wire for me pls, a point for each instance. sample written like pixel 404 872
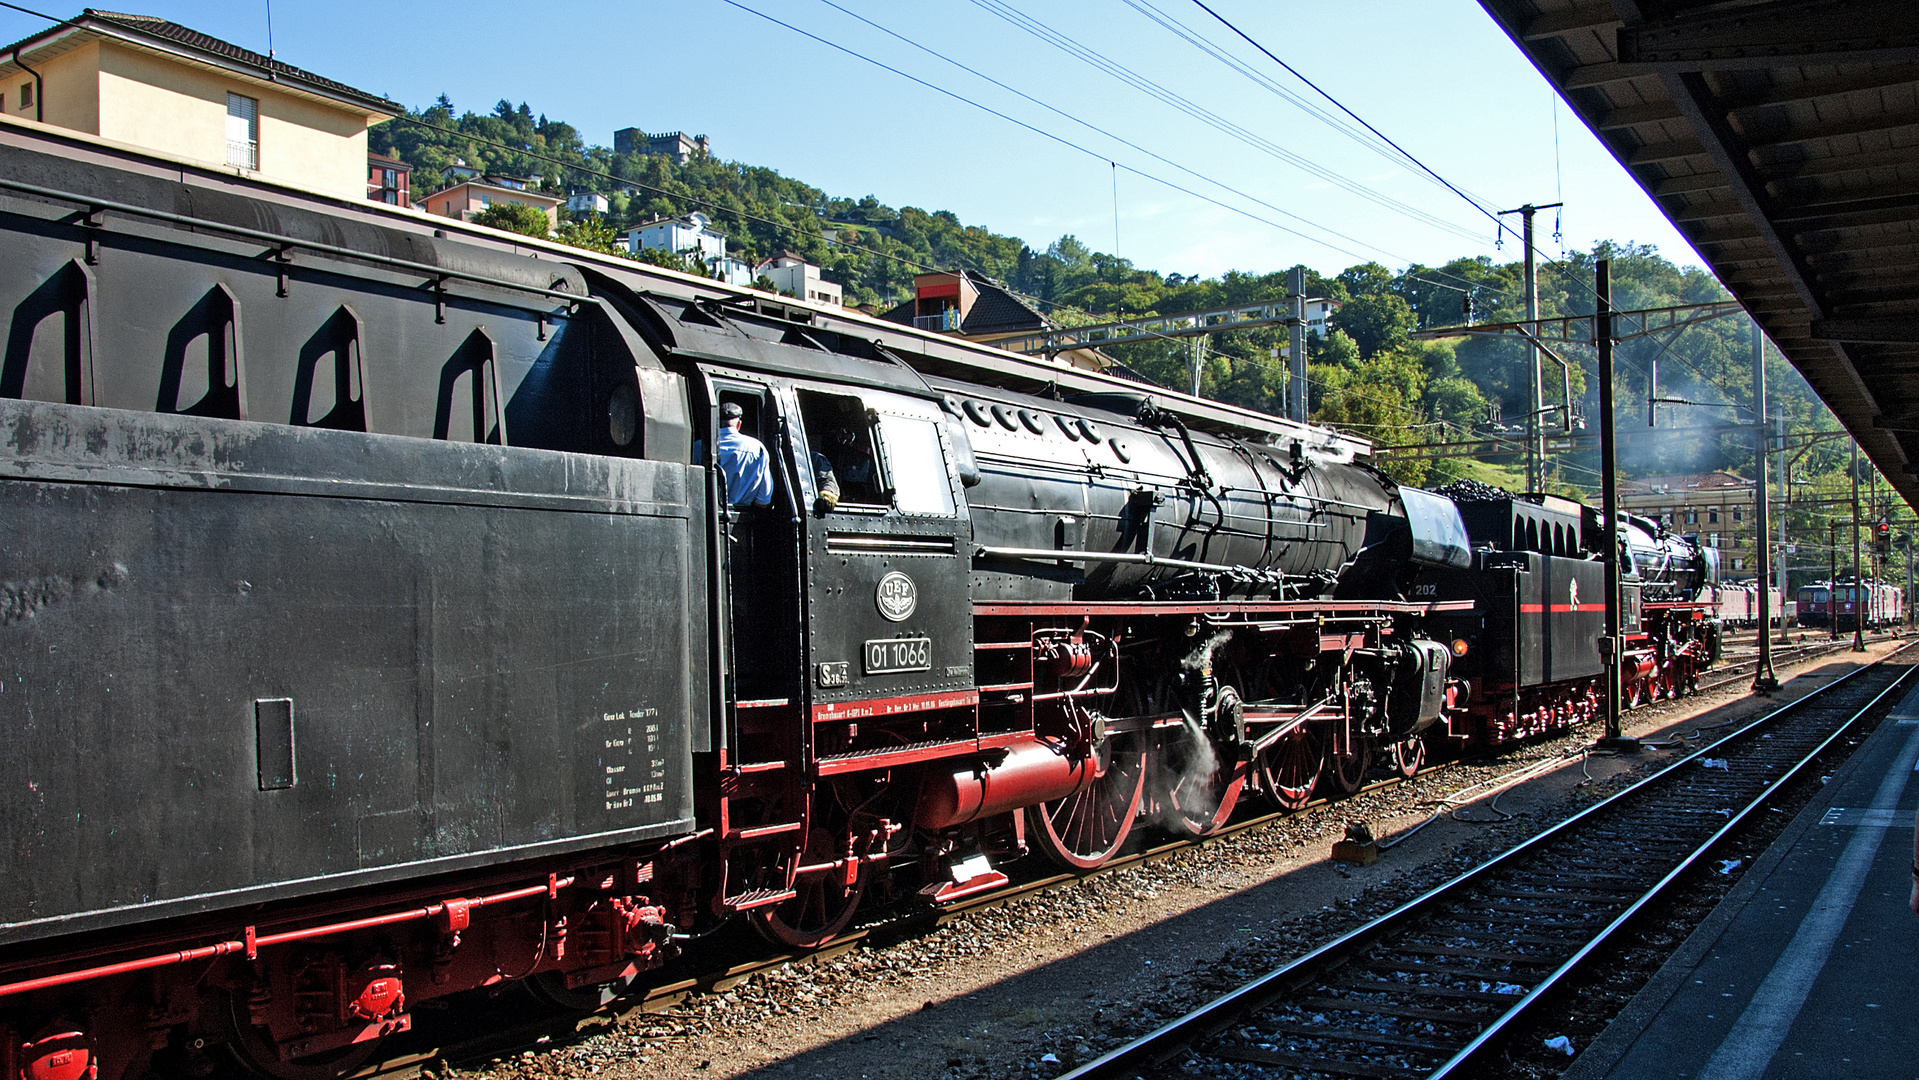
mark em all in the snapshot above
pixel 1357 134
pixel 1500 227
pixel 936 54
pixel 1060 139
pixel 1123 141
pixel 1100 62
pixel 30 11
pixel 1294 72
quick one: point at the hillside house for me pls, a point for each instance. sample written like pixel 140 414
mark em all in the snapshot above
pixel 170 90
pixel 977 308
pixel 794 276
pixel 467 198
pixel 388 180
pixel 587 202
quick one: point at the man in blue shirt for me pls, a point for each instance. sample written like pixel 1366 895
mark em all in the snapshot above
pixel 749 479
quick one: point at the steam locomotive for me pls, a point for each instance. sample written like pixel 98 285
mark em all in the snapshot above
pixel 374 626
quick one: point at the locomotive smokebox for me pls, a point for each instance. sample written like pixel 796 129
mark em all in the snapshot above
pixel 1032 772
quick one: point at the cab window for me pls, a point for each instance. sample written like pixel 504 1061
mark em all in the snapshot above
pixel 839 436
pixel 917 466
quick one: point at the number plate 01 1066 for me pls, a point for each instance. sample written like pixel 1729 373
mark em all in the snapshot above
pixel 886 656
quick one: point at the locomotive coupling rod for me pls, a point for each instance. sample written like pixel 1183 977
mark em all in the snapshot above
pixel 254 941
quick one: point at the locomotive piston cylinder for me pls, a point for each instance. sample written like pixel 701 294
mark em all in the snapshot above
pixel 1032 772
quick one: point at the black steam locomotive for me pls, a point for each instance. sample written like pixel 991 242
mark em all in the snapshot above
pixel 374 627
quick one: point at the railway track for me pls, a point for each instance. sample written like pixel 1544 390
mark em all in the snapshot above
pixel 513 1037
pixel 1427 989
pixel 1744 667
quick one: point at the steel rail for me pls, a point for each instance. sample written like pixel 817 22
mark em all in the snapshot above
pixel 1149 1050
pixel 1546 986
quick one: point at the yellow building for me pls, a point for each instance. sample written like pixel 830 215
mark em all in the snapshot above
pixel 159 86
pixel 1716 506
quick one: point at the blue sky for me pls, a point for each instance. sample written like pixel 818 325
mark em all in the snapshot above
pixel 1437 77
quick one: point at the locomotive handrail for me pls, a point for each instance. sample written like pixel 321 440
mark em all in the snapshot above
pixel 1145 557
pixel 286 243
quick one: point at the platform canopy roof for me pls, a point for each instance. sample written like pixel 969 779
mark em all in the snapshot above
pixel 1782 138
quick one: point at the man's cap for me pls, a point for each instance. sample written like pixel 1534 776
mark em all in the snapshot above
pixel 731 411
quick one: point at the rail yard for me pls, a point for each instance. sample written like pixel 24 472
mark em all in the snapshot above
pixel 468 641
pixel 1008 972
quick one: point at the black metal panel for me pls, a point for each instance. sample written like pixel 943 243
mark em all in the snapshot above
pixel 1574 598
pixel 484 653
pixel 147 314
pixel 879 574
pixel 1068 477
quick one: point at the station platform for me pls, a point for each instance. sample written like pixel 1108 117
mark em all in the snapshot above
pixel 1810 966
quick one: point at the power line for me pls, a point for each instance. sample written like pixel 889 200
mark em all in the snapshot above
pixel 1156 90
pixel 1060 139
pixel 1500 226
pixel 1469 285
pixel 30 11
pixel 1069 116
pixel 1342 108
pixel 1202 43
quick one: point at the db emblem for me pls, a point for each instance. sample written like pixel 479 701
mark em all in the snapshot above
pixel 897 597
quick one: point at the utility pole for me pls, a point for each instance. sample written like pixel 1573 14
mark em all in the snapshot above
pixel 1785 500
pixel 1199 360
pixel 1296 360
pixel 1858 599
pixel 1764 681
pixel 1535 382
pixel 1609 494
pixel 1832 580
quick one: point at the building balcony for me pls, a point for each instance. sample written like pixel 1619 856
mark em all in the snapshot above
pixel 949 319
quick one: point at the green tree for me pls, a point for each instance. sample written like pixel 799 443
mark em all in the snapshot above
pixel 1375 321
pixel 1377 398
pixel 515 217
pixel 592 233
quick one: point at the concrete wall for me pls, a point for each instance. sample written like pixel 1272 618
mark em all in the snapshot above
pixel 180 110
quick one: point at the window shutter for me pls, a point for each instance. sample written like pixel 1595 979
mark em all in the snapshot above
pixel 243 131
